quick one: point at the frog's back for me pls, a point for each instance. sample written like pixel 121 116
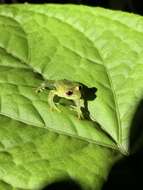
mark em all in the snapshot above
pixel 65 83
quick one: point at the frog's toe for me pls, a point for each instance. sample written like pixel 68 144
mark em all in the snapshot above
pixel 53 108
pixel 80 115
pixel 72 107
pixel 57 109
pixel 38 90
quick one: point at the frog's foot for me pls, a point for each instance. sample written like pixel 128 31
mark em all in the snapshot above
pixel 53 108
pixel 39 89
pixel 79 112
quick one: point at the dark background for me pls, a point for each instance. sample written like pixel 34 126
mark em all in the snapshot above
pixel 128 172
pixel 134 6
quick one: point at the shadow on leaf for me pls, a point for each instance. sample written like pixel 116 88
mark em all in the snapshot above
pixel 88 94
pixel 63 185
pixel 127 173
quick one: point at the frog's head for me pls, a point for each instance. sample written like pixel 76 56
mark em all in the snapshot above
pixel 71 91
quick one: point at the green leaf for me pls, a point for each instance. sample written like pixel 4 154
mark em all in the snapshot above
pixel 96 47
pixel 32 157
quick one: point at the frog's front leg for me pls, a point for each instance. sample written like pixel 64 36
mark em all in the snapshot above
pixel 51 95
pixel 79 103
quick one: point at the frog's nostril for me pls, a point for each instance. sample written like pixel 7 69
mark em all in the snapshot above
pixel 69 93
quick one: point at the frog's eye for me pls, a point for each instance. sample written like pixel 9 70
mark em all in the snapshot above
pixel 69 93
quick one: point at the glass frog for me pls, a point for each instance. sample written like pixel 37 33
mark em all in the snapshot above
pixel 66 89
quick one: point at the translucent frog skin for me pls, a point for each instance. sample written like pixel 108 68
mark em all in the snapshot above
pixel 66 89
